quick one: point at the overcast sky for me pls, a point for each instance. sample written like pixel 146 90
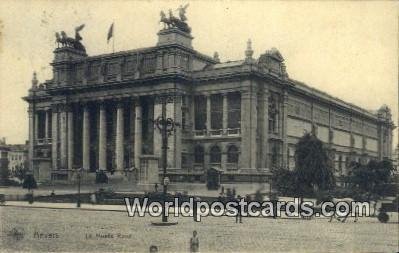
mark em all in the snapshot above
pixel 347 49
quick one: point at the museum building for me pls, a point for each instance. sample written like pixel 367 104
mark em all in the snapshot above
pixel 241 117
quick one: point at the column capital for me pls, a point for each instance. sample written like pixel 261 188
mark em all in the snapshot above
pixel 55 108
pixel 102 103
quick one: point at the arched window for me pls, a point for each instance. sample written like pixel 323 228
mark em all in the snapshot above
pixel 232 154
pixel 215 155
pixel 199 154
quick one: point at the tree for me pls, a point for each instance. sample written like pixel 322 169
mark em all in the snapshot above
pixel 284 181
pixel 371 180
pixel 313 167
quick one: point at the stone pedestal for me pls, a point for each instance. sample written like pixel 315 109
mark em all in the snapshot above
pixel 149 169
pixel 174 36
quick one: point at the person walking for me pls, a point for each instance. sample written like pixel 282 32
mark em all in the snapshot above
pixel 239 215
pixel 194 242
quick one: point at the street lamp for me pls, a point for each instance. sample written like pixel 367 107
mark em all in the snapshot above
pixel 166 126
pixel 78 175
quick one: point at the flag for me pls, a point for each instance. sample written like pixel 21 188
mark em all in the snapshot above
pixel 110 32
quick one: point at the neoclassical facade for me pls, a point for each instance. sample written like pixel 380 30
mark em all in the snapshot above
pixel 242 117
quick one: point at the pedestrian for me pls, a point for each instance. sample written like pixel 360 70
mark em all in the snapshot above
pixel 194 242
pixel 153 249
pixel 156 187
pixel 239 215
pixel 234 192
pixel 93 198
pixel 196 200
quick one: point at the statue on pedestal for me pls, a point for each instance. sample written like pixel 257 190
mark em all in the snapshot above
pixel 174 22
pixel 182 12
pixel 65 41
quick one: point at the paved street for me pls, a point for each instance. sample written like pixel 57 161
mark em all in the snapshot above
pixel 78 230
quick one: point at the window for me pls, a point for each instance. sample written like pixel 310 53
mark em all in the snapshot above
pixel 273 115
pixel 41 117
pixel 232 154
pixel 215 155
pixel 184 160
pixel 216 111
pixel 340 164
pixel 200 112
pixel 275 155
pixel 234 110
pixel 199 154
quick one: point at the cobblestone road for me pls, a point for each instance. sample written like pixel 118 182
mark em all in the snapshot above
pixel 100 231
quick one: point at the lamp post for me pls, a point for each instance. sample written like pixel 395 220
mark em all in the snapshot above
pixel 166 126
pixel 79 174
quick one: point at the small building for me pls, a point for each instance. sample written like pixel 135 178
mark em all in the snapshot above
pixel 13 156
pixel 17 157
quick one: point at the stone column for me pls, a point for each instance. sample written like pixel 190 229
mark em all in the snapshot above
pixel 63 138
pixel 102 139
pixel 119 147
pixel 31 135
pixel 54 138
pixel 86 138
pixel 208 113
pixel 137 134
pixel 284 128
pixel 178 131
pixel 225 113
pixel 248 129
pixel 36 129
pixel 192 112
pixel 265 129
pixel 46 125
pixel 70 139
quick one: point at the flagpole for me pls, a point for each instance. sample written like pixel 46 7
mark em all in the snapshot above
pixel 113 35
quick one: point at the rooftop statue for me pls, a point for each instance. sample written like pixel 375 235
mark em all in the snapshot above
pixel 63 40
pixel 182 12
pixel 174 22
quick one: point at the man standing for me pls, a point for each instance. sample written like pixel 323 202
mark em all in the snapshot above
pixel 239 214
pixel 194 242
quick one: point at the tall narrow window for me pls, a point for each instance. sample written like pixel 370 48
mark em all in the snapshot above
pixel 215 155
pixel 232 154
pixel 199 154
pixel 200 112
pixel 216 111
pixel 273 115
pixel 41 116
pixel 234 110
pixel 340 164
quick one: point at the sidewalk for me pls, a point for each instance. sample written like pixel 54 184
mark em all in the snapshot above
pixel 90 207
pixel 198 189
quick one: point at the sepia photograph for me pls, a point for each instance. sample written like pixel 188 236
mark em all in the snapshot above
pixel 199 126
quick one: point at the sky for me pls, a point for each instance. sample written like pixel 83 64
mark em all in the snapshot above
pixel 347 49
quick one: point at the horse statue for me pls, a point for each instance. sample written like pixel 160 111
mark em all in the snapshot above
pixel 59 40
pixel 173 21
pixel 182 12
pixel 65 41
pixel 167 23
